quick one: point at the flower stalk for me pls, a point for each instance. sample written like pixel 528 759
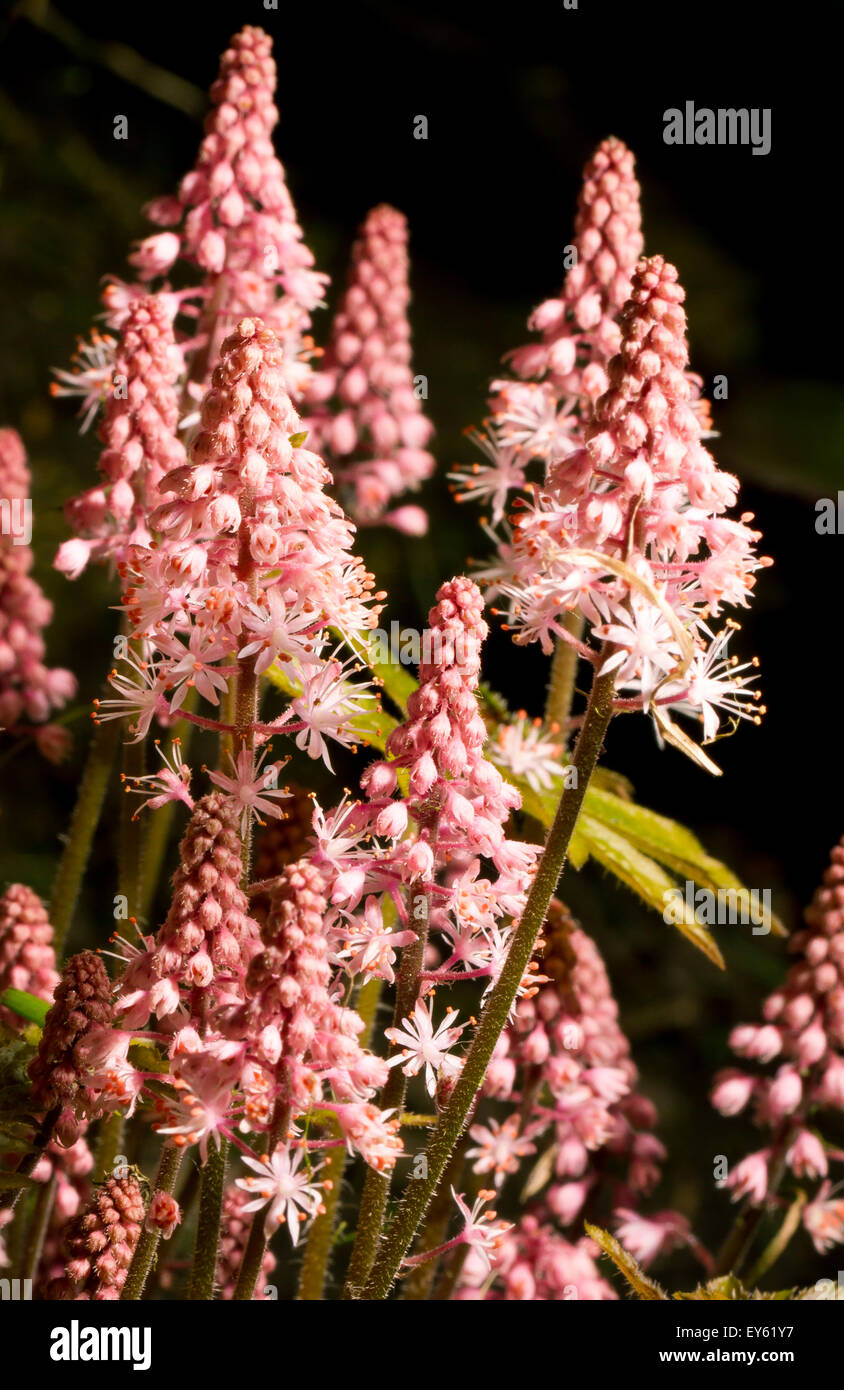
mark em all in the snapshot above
pixel 102 751
pixel 165 1181
pixel 201 1285
pixel 494 1017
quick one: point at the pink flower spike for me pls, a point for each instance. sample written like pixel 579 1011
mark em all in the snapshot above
pixel 375 436
pixel 29 690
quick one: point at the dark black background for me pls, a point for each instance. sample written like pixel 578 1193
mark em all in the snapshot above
pixel 516 99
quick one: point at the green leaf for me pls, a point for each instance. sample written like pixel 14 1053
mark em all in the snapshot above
pixel 27 1006
pixel 671 843
pixel 9 1144
pixel 727 1288
pixel 146 1057
pixel 646 878
pixel 298 439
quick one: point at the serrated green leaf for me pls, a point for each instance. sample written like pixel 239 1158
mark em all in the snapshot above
pixel 666 840
pixel 727 1288
pixel 646 878
pixel 25 1005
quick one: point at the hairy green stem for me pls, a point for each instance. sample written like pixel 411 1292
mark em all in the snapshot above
pixel 737 1246
pixel 86 814
pixel 562 680
pixel 419 1282
pixel 418 1194
pixel 253 1255
pixel 779 1241
pixel 314 1273
pixel 38 1227
pixel 253 1258
pixel 376 1186
pixel 109 1141
pixel 203 1272
pixel 165 1181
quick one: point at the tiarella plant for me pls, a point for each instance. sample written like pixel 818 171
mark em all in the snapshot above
pixel 364 1033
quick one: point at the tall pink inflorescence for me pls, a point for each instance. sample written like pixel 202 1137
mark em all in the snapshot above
pixel 61 1070
pixel 540 413
pixel 631 531
pixel 432 840
pixel 803 1035
pixel 138 432
pixel 305 1041
pixel 364 404
pixel 27 958
pixel 235 217
pixel 101 1241
pixel 29 690
pixel 253 565
pixel 203 949
pixel 579 329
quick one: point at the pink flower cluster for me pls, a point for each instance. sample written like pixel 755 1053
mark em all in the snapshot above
pixel 540 414
pixel 535 1263
pixel 630 530
pixel 253 565
pixel 437 808
pixel 254 1029
pixel 205 945
pixel 305 1043
pixel 139 434
pixel 60 1071
pixel 233 221
pixel 236 217
pixel 803 1034
pixel 27 958
pixel 374 435
pixel 101 1241
pixel 28 689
